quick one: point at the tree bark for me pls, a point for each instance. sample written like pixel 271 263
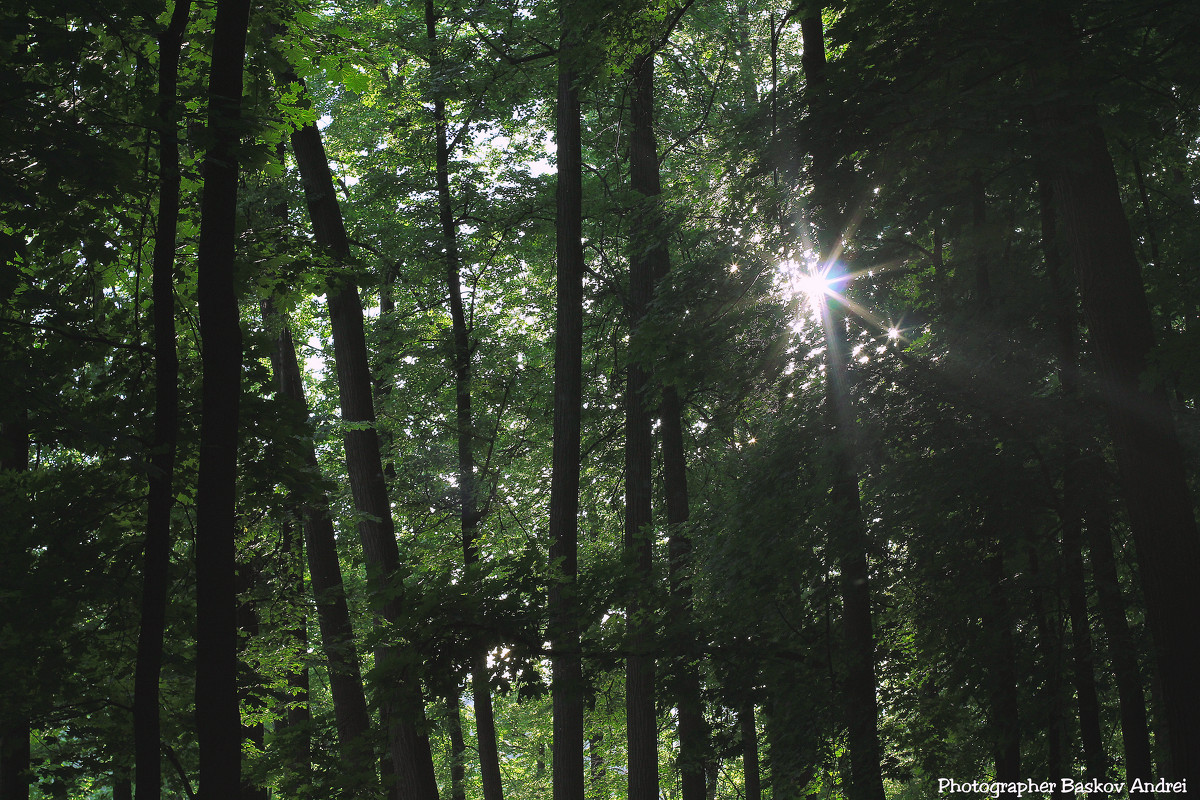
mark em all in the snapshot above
pixel 218 723
pixel 14 727
pixel 641 720
pixel 750 769
pixel 1135 732
pixel 1050 648
pixel 1149 457
pixel 297 723
pixel 458 747
pixel 403 704
pixel 1003 708
pixel 849 532
pixel 566 664
pixel 1086 509
pixel 325 573
pixel 250 681
pixel 469 514
pixel 157 555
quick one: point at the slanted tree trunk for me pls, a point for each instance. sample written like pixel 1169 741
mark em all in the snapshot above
pixel 157 558
pixel 218 724
pixel 402 703
pixel 641 720
pixel 849 531
pixel 1149 457
pixel 325 573
pixel 566 664
pixel 469 514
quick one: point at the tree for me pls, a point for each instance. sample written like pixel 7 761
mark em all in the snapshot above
pixel 147 736
pixel 218 724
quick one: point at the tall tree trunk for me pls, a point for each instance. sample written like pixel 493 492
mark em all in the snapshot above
pixel 1086 510
pixel 692 727
pixel 325 573
pixel 469 514
pixel 849 531
pixel 566 663
pixel 402 704
pixel 157 559
pixel 1149 457
pixel 14 724
pixel 218 724
pixel 641 720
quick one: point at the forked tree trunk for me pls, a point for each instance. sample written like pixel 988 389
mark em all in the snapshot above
pixel 1149 457
pixel 641 720
pixel 469 514
pixel 156 563
pixel 566 665
pixel 218 723
pixel 402 702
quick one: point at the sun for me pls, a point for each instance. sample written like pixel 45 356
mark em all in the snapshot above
pixel 806 279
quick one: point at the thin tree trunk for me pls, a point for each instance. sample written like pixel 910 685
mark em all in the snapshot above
pixel 250 682
pixel 1050 647
pixel 297 723
pixel 325 573
pixel 1135 732
pixel 469 514
pixel 1149 457
pixel 750 770
pixel 596 768
pixel 157 558
pixel 402 704
pixel 566 664
pixel 850 535
pixel 1001 670
pixel 458 747
pixel 641 720
pixel 14 727
pixel 692 729
pixel 122 788
pixel 218 723
pixel 1083 666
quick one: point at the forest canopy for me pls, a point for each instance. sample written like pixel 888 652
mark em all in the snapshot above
pixel 599 399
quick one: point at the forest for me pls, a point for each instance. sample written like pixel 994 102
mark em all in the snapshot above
pixel 597 399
